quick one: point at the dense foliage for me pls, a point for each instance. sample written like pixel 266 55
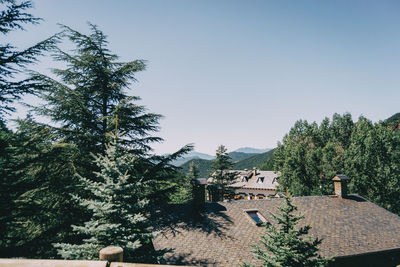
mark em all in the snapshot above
pixel 117 206
pixel 39 161
pixel 393 121
pixel 13 16
pixel 310 155
pixel 285 244
pixel 221 166
pixel 90 90
pixel 37 177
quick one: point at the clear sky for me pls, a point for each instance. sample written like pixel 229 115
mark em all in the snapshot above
pixel 240 73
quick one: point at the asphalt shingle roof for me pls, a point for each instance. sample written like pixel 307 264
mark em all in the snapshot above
pixel 223 233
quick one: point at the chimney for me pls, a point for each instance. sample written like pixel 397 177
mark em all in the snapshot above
pixel 340 182
pixel 199 193
pixel 254 171
pixel 215 192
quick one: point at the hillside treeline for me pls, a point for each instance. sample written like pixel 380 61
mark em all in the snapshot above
pixel 311 154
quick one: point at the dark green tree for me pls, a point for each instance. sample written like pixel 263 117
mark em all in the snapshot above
pixel 6 191
pixel 311 154
pixel 38 178
pixel 13 16
pixel 221 169
pixel 393 121
pixel 91 89
pixel 285 244
pixel 118 208
pixel 193 171
pixel 373 162
pixel 88 94
pixel 41 159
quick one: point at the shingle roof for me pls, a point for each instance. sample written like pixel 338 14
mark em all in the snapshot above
pixel 267 181
pixel 222 235
pixel 263 180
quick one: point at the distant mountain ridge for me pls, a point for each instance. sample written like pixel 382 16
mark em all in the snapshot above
pixel 252 150
pixel 238 154
pixel 192 155
pixel 254 160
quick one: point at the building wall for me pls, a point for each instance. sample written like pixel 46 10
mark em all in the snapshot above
pixel 255 192
pixel 381 259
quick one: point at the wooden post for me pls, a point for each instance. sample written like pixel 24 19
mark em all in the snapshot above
pixel 112 254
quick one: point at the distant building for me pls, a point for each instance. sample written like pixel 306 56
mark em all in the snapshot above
pixel 253 184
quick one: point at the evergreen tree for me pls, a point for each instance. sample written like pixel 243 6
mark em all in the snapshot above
pixel 6 190
pixel 311 154
pixel 40 160
pixel 221 170
pixel 90 90
pixel 286 245
pixel 118 206
pixel 373 162
pixel 193 171
pixel 37 180
pixel 221 166
pixel 13 16
pixel 88 93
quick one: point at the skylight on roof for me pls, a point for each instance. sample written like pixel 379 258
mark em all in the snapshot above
pixel 256 217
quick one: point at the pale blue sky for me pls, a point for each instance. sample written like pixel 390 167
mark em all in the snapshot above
pixel 240 73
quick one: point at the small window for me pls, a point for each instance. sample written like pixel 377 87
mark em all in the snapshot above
pixel 256 217
pixel 260 196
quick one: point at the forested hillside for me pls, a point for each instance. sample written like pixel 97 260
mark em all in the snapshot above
pixel 239 156
pixel 243 161
pixel 203 167
pixel 254 161
pixel 393 121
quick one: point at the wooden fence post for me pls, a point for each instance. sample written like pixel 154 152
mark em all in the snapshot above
pixel 112 254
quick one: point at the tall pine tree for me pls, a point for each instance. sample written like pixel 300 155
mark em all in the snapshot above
pixel 91 89
pixel 83 97
pixel 221 170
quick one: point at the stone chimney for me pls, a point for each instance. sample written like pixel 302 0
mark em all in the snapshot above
pixel 199 193
pixel 254 171
pixel 340 182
